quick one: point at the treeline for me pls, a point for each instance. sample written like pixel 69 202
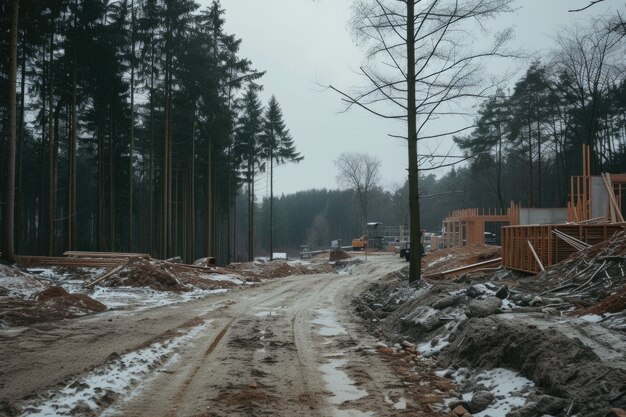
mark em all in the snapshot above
pixel 316 217
pixel 528 142
pixel 138 124
pixel 525 145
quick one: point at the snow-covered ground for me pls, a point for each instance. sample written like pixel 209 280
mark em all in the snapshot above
pixel 119 377
pixel 125 298
pixel 509 388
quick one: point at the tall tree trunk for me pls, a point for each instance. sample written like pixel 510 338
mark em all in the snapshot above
pixel 499 185
pixel 166 177
pixel 531 182
pixel 71 218
pixel 151 224
pixel 271 205
pixel 19 203
pixel 43 161
pixel 51 153
pixel 538 162
pixel 192 203
pixel 8 227
pixel 209 200
pixel 54 162
pixel 101 194
pixel 415 267
pixel 112 202
pixel 250 213
pixel 132 129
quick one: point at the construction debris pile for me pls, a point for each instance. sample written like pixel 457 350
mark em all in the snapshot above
pixel 87 282
pixel 559 337
pixel 278 269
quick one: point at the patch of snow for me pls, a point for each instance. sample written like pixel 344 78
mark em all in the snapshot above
pixel 398 405
pixel 299 262
pixel 125 298
pixel 592 318
pixel 327 320
pixel 440 260
pixel 121 376
pixel 21 286
pixel 508 387
pixel 222 277
pixel 428 349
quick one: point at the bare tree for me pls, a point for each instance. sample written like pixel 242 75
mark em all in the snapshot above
pixel 8 212
pixel 430 62
pixel 616 24
pixel 590 62
pixel 360 173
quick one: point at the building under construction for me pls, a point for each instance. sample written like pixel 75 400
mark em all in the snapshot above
pixel 534 238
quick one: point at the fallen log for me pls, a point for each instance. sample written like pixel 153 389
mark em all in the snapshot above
pixel 30 261
pixel 106 275
pixel 86 254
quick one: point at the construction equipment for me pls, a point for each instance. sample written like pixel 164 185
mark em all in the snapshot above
pixel 360 243
pixel 372 240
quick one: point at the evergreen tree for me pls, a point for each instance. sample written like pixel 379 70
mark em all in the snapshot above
pixel 277 147
pixel 249 129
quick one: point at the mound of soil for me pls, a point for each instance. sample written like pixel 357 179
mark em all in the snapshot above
pixel 460 322
pixel 203 282
pixel 615 303
pixel 563 367
pixel 140 272
pixel 278 269
pixel 338 255
pixel 52 304
pixel 443 260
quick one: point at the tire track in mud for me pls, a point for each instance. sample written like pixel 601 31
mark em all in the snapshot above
pixel 178 398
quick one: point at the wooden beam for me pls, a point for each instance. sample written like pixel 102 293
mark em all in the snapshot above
pixel 83 254
pixel 30 261
pixel 106 275
pixel 532 250
pixel 467 268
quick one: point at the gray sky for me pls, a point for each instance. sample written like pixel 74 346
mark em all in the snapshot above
pixel 303 44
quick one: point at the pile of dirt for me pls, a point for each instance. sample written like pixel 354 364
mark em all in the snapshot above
pixel 338 255
pixel 168 276
pixel 209 281
pixel 562 367
pixel 278 269
pixel 148 273
pixel 52 304
pixel 501 319
pixel 444 260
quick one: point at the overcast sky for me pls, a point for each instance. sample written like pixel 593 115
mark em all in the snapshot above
pixel 305 44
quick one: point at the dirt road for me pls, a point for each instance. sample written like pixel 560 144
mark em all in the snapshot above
pixel 289 347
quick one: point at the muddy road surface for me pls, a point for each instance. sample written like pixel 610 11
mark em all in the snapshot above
pixel 287 347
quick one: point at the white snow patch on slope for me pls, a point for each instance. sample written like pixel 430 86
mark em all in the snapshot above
pixel 119 377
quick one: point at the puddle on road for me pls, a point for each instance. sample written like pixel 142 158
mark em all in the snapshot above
pixel 352 413
pixel 272 312
pixel 330 327
pixel 338 382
